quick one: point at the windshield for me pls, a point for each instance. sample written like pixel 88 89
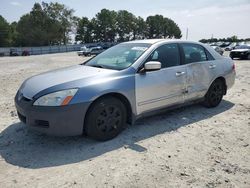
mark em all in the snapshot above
pixel 242 47
pixel 119 57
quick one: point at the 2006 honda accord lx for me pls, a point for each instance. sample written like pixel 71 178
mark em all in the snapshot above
pixel 127 81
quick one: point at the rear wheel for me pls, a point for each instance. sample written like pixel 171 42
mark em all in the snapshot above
pixel 248 56
pixel 214 94
pixel 106 118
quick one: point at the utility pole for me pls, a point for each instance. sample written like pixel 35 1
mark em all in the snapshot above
pixel 187 34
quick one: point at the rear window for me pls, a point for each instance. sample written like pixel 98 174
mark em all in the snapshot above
pixel 194 53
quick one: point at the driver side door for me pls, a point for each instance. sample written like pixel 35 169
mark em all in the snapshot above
pixel 164 87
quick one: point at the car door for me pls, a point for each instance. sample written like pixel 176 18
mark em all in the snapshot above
pixel 164 87
pixel 201 70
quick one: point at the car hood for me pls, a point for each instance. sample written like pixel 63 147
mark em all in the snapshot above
pixel 240 50
pixel 40 82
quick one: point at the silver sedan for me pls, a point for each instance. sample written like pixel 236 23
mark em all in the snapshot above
pixel 100 97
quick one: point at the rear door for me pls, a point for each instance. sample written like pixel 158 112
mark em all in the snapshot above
pixel 201 70
pixel 163 87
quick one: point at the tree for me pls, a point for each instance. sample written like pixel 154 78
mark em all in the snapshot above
pixel 104 26
pixel 46 24
pixel 32 28
pixel 155 26
pixel 160 27
pixel 63 17
pixel 4 32
pixel 126 25
pixel 13 34
pixel 141 29
pixel 171 29
pixel 84 30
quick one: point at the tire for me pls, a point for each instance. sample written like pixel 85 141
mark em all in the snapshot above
pixel 105 119
pixel 215 94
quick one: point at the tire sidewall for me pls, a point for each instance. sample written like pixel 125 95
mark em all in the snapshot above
pixel 91 128
pixel 208 102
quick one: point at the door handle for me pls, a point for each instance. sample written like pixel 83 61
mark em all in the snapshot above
pixel 179 73
pixel 212 66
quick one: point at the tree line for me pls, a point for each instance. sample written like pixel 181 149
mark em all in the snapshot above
pixel 228 39
pixel 55 24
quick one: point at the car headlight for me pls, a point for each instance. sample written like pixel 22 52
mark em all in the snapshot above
pixel 59 98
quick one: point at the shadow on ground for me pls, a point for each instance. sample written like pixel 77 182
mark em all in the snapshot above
pixel 21 147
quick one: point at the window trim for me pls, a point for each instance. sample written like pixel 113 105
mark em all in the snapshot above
pixel 145 61
pixel 205 51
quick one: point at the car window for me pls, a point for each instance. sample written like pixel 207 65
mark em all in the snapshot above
pixel 167 54
pixel 209 56
pixel 193 53
pixel 120 56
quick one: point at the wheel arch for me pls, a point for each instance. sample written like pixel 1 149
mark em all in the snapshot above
pixel 221 78
pixel 119 96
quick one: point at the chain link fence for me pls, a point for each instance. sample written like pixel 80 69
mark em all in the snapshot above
pixel 19 51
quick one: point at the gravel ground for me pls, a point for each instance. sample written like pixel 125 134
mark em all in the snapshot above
pixel 188 147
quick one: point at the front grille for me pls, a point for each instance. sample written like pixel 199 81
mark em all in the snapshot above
pixel 42 123
pixel 21 117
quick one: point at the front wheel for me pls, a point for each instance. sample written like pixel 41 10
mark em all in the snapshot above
pixel 105 119
pixel 214 94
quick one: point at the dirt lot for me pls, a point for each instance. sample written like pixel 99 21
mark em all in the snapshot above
pixel 187 147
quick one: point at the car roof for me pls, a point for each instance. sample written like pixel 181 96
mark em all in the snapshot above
pixel 146 41
pixel 155 41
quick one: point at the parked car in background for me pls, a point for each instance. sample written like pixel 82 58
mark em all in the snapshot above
pixel 218 49
pixel 125 82
pixel 231 46
pixel 225 44
pixel 241 52
pixel 96 50
pixel 91 50
pixel 13 52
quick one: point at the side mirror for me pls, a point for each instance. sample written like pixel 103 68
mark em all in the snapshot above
pixel 152 66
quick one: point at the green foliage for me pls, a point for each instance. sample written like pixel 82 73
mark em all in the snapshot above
pixel 109 26
pixel 4 32
pixel 229 39
pixel 53 23
pixel 160 27
pixel 84 30
pixel 63 19
pixel 126 25
pixel 141 29
pixel 104 25
pixel 46 24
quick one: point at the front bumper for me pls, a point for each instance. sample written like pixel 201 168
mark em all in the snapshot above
pixel 56 121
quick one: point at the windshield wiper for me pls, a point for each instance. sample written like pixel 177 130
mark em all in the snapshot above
pixel 98 66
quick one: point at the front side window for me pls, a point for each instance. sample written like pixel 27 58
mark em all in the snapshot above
pixel 119 57
pixel 193 53
pixel 167 54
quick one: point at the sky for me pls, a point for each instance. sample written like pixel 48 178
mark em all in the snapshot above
pixel 203 18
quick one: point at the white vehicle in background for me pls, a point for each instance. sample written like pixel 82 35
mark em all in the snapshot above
pixel 218 49
pixel 83 51
pixel 91 50
pixel 231 46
